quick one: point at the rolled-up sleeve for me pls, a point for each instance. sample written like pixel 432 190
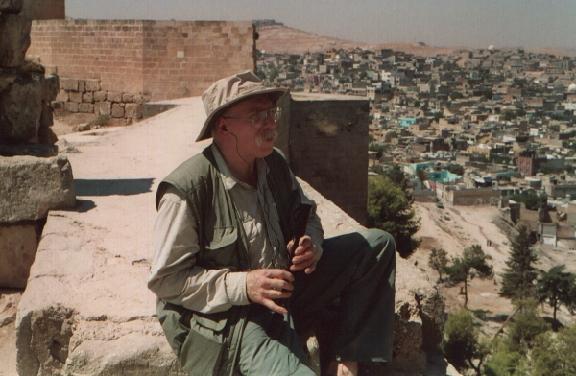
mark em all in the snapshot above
pixel 175 277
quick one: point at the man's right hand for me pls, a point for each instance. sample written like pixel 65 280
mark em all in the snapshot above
pixel 265 285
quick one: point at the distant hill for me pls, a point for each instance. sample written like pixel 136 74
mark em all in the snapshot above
pixel 277 38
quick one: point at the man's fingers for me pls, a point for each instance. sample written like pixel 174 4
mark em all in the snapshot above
pixel 278 284
pixel 310 269
pixel 277 294
pixel 271 305
pixel 281 274
pixel 304 257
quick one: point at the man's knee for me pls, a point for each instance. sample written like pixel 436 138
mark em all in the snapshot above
pixel 381 242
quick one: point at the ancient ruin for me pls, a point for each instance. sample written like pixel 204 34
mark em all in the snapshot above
pixel 34 178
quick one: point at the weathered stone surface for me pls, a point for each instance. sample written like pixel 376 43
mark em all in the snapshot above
pixel 47 136
pixel 69 84
pixel 71 106
pixel 20 109
pixel 86 108
pixel 102 108
pixel 30 186
pixel 115 96
pixel 51 88
pixel 81 86
pixel 88 97
pixel 117 110
pixel 75 96
pixel 18 244
pixel 100 96
pixel 46 117
pixel 133 111
pixel 62 96
pixel 10 6
pixel 127 98
pixel 15 32
pixel 92 85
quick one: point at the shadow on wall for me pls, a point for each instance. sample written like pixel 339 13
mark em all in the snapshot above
pixel 112 187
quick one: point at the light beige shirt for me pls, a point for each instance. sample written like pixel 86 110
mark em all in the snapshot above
pixel 176 278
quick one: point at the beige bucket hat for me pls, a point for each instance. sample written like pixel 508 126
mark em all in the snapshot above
pixel 227 91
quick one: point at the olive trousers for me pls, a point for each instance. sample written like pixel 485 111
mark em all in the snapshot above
pixel 348 300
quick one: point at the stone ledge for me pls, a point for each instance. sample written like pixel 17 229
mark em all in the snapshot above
pixel 30 186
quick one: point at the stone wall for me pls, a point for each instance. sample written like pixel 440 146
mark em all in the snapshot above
pixel 161 59
pixel 320 126
pixel 87 96
pixel 33 178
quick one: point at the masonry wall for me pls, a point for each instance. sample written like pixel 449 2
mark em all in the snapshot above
pixel 158 59
pixel 328 145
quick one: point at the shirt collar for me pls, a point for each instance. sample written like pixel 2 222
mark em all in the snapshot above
pixel 230 180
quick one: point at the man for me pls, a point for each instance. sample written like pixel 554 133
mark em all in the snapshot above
pixel 232 295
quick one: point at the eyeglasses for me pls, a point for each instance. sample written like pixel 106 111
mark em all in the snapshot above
pixel 258 119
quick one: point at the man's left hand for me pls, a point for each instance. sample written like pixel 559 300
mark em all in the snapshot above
pixel 306 255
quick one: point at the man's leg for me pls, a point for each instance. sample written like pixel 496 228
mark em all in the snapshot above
pixel 271 347
pixel 359 270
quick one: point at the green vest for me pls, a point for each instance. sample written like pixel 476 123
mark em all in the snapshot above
pixel 208 343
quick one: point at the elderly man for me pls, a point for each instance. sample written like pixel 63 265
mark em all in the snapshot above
pixel 233 289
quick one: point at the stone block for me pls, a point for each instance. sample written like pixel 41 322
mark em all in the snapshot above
pixel 75 96
pixel 133 111
pixel 15 32
pixel 127 98
pixel 71 106
pixel 69 84
pixel 86 108
pixel 47 136
pixel 18 244
pixel 92 85
pixel 10 6
pixel 20 109
pixel 103 108
pixel 51 88
pixel 115 96
pixel 88 97
pixel 62 96
pixel 81 86
pixel 30 186
pixel 46 116
pixel 117 110
pixel 100 96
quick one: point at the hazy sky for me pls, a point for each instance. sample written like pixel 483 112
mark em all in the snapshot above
pixel 470 23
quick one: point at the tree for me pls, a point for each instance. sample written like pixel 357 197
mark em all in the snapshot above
pixel 526 326
pixel 518 280
pixel 557 287
pixel 466 268
pixel 543 214
pixel 462 347
pixel 554 355
pixel 438 261
pixel 390 210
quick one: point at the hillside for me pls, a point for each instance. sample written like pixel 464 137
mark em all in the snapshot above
pixel 277 38
pixel 283 39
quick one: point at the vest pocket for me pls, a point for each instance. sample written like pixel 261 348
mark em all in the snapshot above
pixel 220 252
pixel 202 350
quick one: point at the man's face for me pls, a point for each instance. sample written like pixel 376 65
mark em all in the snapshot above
pixel 254 129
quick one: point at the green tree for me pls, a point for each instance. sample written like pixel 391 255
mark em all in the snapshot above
pixel 557 287
pixel 525 326
pixel 465 268
pixel 502 361
pixel 554 355
pixel 438 261
pixel 519 277
pixel 390 210
pixel 462 346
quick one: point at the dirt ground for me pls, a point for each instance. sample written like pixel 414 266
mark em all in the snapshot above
pixel 8 301
pixel 455 228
